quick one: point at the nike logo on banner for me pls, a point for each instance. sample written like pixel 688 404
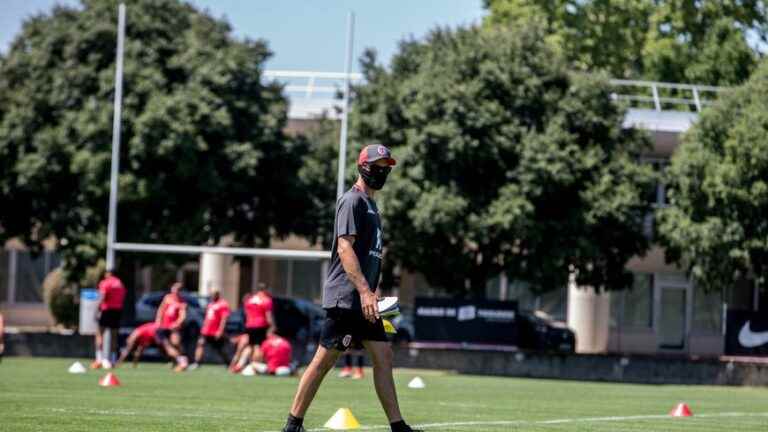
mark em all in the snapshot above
pixel 750 339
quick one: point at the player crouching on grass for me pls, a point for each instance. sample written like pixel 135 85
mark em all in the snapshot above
pixel 170 319
pixel 140 339
pixel 349 296
pixel 275 357
pixel 212 333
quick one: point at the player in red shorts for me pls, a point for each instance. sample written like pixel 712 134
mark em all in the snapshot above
pixel 212 333
pixel 276 355
pixel 170 319
pixel 140 339
pixel 259 321
pixel 110 310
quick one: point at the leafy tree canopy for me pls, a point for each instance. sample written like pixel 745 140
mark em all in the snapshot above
pixel 203 151
pixel 718 179
pixel 710 42
pixel 508 162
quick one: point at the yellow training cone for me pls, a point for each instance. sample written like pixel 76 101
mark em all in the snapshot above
pixel 342 420
pixel 388 327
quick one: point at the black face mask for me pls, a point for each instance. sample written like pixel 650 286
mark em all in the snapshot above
pixel 374 175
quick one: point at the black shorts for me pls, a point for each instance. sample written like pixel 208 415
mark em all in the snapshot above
pixel 163 335
pixel 110 318
pixel 347 329
pixel 214 342
pixel 256 335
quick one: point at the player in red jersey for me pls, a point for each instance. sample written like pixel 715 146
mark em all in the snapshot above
pixel 140 339
pixel 215 321
pixel 259 321
pixel 110 310
pixel 170 319
pixel 276 355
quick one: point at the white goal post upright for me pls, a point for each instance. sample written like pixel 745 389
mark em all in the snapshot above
pixel 116 118
pixel 113 245
pixel 345 113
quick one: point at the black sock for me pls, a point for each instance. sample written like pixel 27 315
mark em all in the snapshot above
pixel 360 361
pixel 348 360
pixel 400 426
pixel 294 422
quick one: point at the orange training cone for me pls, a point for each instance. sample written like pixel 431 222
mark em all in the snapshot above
pixel 109 380
pixel 681 410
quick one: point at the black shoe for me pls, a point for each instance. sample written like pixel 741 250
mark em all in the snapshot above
pixel 409 429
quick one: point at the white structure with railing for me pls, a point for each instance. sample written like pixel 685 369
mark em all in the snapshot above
pixel 653 106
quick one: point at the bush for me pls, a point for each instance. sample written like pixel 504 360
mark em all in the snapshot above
pixel 60 296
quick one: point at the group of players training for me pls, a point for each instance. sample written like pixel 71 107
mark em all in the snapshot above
pixel 259 345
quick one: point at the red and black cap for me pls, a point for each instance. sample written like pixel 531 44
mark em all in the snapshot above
pixel 372 153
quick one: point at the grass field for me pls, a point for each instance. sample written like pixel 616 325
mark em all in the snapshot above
pixel 39 395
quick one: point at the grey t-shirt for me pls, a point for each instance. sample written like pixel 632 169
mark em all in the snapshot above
pixel 356 215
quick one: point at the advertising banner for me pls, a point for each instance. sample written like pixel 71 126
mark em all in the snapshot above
pixel 747 333
pixel 89 302
pixel 470 321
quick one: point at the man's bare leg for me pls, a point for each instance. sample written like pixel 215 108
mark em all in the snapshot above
pixel 381 355
pixel 171 351
pixel 98 341
pixel 113 345
pixel 323 361
pixel 199 350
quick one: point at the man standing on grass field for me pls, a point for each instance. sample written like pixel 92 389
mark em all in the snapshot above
pixel 110 312
pixel 259 320
pixel 349 296
pixel 170 319
pixel 212 333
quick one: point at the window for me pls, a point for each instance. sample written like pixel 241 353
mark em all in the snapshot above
pixel 707 311
pixel 22 275
pixel 520 291
pixel 655 195
pixel 633 308
pixel 307 280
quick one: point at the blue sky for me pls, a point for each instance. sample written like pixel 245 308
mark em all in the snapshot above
pixel 304 34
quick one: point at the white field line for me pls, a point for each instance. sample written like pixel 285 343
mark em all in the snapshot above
pixel 428 425
pixel 553 421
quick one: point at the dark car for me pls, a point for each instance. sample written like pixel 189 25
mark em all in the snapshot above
pixel 299 321
pixel 539 332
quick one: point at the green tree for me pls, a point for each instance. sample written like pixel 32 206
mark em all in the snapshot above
pixel 318 177
pixel 203 150
pixel 718 180
pixel 664 40
pixel 507 163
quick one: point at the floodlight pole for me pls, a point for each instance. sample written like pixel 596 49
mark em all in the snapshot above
pixel 344 115
pixel 113 178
